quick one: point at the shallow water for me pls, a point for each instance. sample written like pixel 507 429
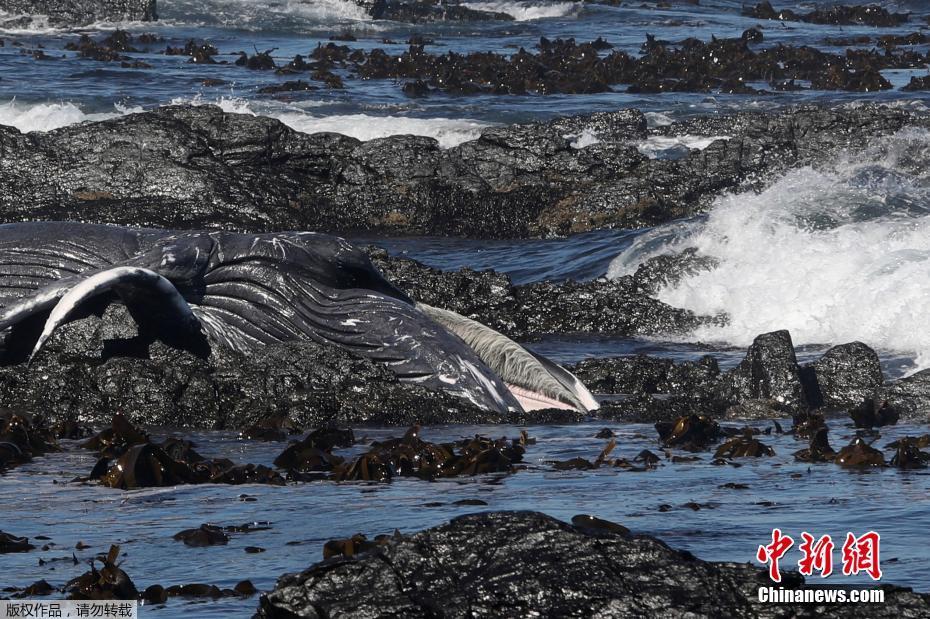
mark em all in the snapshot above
pixel 51 93
pixel 39 498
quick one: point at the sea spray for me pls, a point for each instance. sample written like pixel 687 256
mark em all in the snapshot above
pixel 835 252
pixel 29 117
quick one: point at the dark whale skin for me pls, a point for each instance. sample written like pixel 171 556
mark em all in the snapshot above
pixel 245 291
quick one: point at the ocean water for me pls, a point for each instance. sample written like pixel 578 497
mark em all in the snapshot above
pixel 729 524
pixel 834 252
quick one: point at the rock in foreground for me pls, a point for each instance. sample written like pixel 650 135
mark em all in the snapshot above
pixel 519 564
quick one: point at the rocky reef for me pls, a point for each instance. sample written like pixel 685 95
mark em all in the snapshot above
pixel 192 167
pixel 867 15
pixel 768 383
pixel 82 12
pixel 517 564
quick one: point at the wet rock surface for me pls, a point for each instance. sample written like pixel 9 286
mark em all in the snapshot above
pixel 190 167
pixel 770 371
pixel 418 11
pixel 843 376
pixel 512 564
pixel 99 366
pixel 620 306
pixel 768 383
pixel 866 14
pixel 83 12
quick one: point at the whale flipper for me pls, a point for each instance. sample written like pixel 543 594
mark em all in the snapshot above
pixel 535 381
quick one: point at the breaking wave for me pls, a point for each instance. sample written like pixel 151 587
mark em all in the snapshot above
pixel 448 132
pixel 47 116
pixel 834 253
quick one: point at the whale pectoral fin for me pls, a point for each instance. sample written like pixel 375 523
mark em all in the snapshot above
pixel 534 380
pixel 568 380
pixel 144 291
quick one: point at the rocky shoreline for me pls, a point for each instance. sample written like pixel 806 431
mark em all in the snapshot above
pixel 514 564
pixel 101 365
pixel 194 167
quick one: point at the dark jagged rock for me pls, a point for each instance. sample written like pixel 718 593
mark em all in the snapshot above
pixel 843 376
pixel 770 370
pixel 96 367
pixel 648 408
pixel 669 269
pixel 416 11
pixel 190 167
pixel 260 61
pixel 518 564
pixel 868 15
pixel 917 83
pixel 83 12
pixel 648 375
pixel 909 396
pixel 204 535
pixel 200 53
pixel 618 306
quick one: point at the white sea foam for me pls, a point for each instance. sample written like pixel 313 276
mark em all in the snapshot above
pixel 448 132
pixel 47 116
pixel 526 11
pixel 658 145
pixel 272 14
pixel 587 137
pixel 658 119
pixel 834 254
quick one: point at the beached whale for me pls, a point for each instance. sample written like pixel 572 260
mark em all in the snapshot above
pixel 211 289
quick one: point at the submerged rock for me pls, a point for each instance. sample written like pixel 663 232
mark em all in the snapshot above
pixel 518 564
pixel 12 543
